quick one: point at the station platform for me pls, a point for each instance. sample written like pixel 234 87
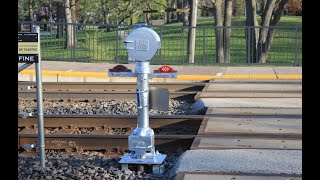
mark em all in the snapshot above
pixel 59 71
pixel 252 129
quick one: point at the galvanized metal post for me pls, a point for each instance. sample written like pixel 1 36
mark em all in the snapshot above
pixel 142 70
pixel 39 102
pixel 142 44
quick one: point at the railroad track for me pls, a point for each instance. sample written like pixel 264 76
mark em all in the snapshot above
pixel 113 121
pixel 104 91
pixel 172 131
pixel 176 86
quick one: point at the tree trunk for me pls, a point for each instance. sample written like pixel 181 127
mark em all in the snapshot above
pixel 274 22
pixel 265 21
pixel 263 4
pixel 219 32
pixel 179 14
pixel 168 12
pixel 261 48
pixel 146 17
pixel 60 19
pixel 251 32
pixel 185 21
pixel 227 31
pixel 192 30
pixel 30 12
pixel 174 14
pixel 105 12
pixel 73 11
pixel 74 20
pixel 171 5
pixel 70 33
pixel 185 13
pixel 165 18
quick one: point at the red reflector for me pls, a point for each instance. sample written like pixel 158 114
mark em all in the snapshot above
pixel 164 69
pixel 120 68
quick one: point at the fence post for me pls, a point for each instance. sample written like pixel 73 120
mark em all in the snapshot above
pixel 182 45
pixel 204 45
pixel 296 49
pixel 161 45
pixel 248 44
pixel 117 43
pixel 74 41
pixel 30 27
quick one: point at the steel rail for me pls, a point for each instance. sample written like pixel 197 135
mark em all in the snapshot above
pixel 173 86
pixel 102 95
pixel 112 121
pixel 102 141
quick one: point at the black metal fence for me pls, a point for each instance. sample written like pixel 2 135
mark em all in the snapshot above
pixel 104 43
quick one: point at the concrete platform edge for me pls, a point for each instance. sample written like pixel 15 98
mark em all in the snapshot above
pixel 97 76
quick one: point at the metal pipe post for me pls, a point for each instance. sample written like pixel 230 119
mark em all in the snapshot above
pixel 142 70
pixel 39 102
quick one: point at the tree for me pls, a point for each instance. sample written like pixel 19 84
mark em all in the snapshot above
pixel 171 10
pixel 259 39
pixel 251 31
pixel 238 8
pixel 226 30
pixel 73 11
pixel 294 7
pixel 21 10
pixel 60 19
pixel 70 30
pixel 30 10
pixel 222 33
pixel 105 12
pixel 192 30
pixel 218 22
pixel 185 12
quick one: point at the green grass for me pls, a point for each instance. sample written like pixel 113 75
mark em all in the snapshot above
pixel 95 44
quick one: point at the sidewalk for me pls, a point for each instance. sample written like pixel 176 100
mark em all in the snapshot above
pixel 59 71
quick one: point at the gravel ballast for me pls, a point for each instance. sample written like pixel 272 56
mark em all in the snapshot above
pixel 176 107
pixel 86 165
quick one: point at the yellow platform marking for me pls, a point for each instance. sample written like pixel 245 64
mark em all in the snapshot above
pixel 197 77
pixel 65 73
pixel 290 76
pixel 249 76
pixel 90 74
pixel 179 77
pixel 44 72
